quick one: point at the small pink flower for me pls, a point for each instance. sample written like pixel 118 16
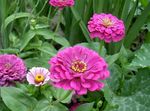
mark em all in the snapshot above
pixel 78 68
pixel 61 3
pixel 38 76
pixel 106 27
pixel 12 69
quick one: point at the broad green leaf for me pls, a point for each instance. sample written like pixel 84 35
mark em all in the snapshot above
pixel 62 95
pixel 61 40
pixel 138 100
pixel 142 57
pixel 112 58
pixel 85 107
pixel 47 34
pixel 3 107
pixel 48 48
pixel 114 80
pixel 38 62
pixel 94 46
pixel 26 39
pixel 15 16
pixel 45 105
pixel 16 100
pixel 108 94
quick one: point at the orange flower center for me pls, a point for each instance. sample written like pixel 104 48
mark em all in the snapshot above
pixel 39 78
pixel 79 66
pixel 7 65
pixel 107 22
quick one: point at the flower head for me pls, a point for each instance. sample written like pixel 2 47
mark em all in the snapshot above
pixel 12 69
pixel 106 27
pixel 78 68
pixel 61 3
pixel 38 76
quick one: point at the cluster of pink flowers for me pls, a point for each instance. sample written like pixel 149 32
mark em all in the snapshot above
pixel 61 3
pixel 106 27
pixel 78 68
pixel 12 69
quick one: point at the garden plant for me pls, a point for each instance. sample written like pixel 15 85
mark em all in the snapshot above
pixel 74 55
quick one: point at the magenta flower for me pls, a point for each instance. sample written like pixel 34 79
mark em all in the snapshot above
pixel 38 76
pixel 12 69
pixel 78 68
pixel 106 27
pixel 61 3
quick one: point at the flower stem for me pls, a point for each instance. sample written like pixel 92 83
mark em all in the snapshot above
pixel 59 20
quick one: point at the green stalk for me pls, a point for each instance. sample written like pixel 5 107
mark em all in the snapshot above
pixel 3 14
pixel 59 20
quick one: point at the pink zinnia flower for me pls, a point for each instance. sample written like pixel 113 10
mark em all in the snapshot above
pixel 38 76
pixel 78 68
pixel 61 3
pixel 12 69
pixel 106 27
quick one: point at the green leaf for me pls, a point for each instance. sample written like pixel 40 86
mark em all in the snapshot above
pixel 134 30
pixel 85 107
pixel 62 95
pixel 139 100
pixel 94 46
pixel 26 39
pixel 16 100
pixel 3 107
pixel 81 23
pixel 108 94
pixel 15 16
pixel 142 57
pixel 10 51
pixel 47 34
pixel 114 80
pixel 61 40
pixel 48 48
pixel 112 58
pixel 45 105
pixel 37 62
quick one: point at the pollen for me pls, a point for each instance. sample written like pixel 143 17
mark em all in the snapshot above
pixel 79 66
pixel 39 78
pixel 107 22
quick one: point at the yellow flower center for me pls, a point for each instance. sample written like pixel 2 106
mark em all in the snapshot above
pixel 39 78
pixel 79 66
pixel 107 22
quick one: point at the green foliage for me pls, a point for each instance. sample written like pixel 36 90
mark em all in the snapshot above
pixel 142 58
pixel 16 100
pixel 36 31
pixel 85 107
pixel 44 105
pixel 62 95
pixel 138 100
